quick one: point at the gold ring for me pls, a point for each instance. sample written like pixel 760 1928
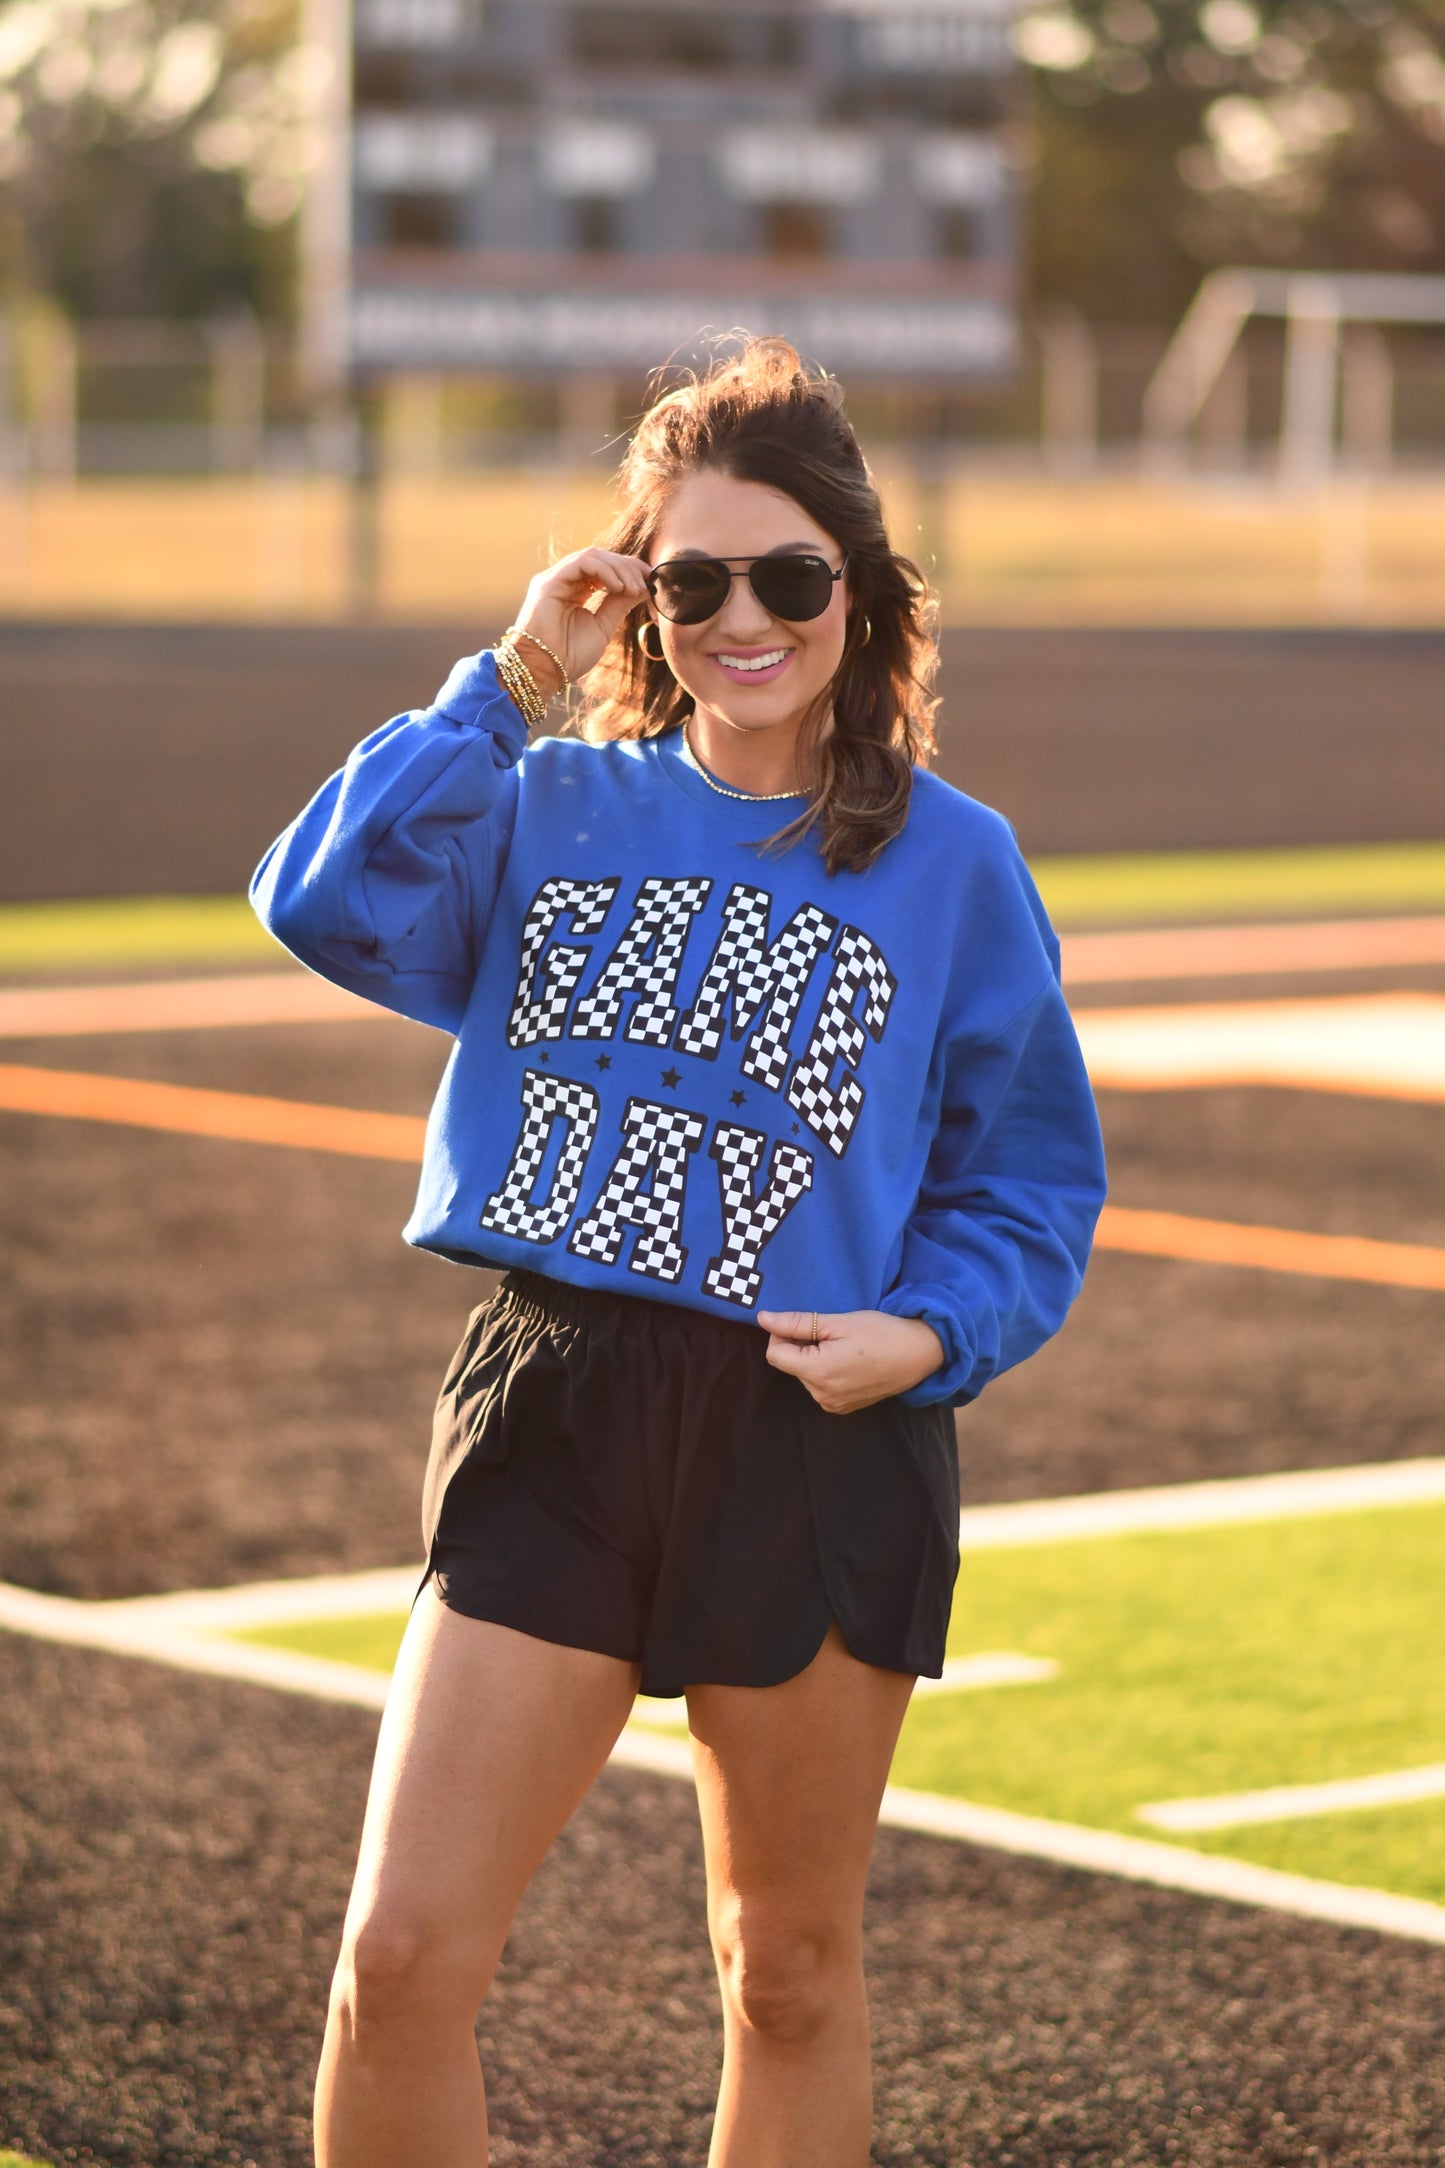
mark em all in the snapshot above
pixel 815 1328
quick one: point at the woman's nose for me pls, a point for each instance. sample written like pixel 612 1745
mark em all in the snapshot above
pixel 742 617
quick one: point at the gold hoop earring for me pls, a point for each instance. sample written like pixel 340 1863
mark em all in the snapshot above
pixel 643 630
pixel 867 632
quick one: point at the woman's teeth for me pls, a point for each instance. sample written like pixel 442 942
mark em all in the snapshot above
pixel 752 662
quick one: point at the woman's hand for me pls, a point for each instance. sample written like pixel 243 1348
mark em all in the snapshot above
pixel 860 1356
pixel 575 606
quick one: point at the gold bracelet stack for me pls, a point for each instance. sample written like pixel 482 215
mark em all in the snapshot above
pixel 518 680
pixel 515 633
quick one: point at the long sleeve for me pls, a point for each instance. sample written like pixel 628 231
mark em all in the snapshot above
pixel 995 1249
pixel 385 882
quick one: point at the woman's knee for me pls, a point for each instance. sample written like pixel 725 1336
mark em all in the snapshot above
pixel 399 1969
pixel 786 1979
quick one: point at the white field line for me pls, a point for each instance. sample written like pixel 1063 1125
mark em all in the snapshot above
pixel 991 1667
pixel 1390 1045
pixel 1134 1859
pixel 1169 1866
pixel 1292 1802
pixel 96 1626
pixel 1200 952
pixel 1298 1495
pixel 269 1603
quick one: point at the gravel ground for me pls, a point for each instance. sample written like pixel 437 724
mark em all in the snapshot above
pixel 175 1854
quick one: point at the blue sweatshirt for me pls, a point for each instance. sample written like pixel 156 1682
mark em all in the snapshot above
pixel 690 1070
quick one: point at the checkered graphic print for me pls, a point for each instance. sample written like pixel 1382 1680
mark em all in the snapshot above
pixel 542 1015
pixel 829 1110
pixel 512 1210
pixel 659 1140
pixel 760 986
pixel 645 961
pixel 749 1221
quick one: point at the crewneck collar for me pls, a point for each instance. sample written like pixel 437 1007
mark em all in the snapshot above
pixel 675 765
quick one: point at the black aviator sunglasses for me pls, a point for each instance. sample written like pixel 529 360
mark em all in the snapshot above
pixel 689 590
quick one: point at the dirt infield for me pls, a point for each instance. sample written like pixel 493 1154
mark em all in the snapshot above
pixel 175 1872
pixel 137 761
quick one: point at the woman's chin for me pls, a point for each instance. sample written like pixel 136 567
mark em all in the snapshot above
pixel 753 714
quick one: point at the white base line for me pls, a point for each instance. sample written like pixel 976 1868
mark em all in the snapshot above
pixel 1168 1866
pixel 1293 1802
pixel 124 1630
pixel 1226 1503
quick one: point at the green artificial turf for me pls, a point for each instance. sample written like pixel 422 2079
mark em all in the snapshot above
pixel 371 1641
pixel 1157 887
pixel 1205 1661
pixel 131 931
pixel 1192 1662
pixel 1135 889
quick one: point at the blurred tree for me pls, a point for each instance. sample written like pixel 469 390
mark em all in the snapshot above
pixel 1176 135
pixel 152 153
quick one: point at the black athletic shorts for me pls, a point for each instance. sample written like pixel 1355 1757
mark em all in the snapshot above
pixel 625 1475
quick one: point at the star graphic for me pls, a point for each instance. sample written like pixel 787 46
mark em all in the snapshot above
pixel 795 1129
pixel 738 1098
pixel 604 1061
pixel 672 1078
pixel 544 1055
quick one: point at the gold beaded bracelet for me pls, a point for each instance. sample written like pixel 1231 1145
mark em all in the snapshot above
pixel 516 632
pixel 519 682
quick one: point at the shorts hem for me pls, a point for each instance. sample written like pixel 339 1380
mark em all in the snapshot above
pixel 540 1620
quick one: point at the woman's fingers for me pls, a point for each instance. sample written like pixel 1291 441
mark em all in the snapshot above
pixel 577 604
pixel 806 1325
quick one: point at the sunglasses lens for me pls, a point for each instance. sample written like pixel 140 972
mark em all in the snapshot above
pixel 795 588
pixel 689 590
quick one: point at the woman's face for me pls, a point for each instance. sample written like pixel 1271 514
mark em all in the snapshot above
pixel 750 669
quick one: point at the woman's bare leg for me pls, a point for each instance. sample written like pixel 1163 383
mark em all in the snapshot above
pixel 789 1783
pixel 489 1740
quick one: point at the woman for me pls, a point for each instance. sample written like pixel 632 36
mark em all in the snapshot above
pixel 765 1095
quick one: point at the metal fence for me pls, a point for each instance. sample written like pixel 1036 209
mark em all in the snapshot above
pixel 133 398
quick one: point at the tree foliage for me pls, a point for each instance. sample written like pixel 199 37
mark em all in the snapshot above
pixel 1177 135
pixel 153 152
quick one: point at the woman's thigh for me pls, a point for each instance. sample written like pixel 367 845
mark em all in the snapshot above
pixel 790 1779
pixel 489 1741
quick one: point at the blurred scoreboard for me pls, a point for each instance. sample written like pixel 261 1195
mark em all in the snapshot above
pixel 559 186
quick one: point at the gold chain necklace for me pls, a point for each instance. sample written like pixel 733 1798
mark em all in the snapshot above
pixel 749 797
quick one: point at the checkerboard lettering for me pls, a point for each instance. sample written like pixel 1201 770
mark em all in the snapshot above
pixel 512 1210
pixel 541 1012
pixel 645 1189
pixel 750 1220
pixel 645 962
pixel 756 987
pixel 829 1109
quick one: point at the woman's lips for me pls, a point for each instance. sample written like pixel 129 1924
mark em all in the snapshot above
pixel 737 676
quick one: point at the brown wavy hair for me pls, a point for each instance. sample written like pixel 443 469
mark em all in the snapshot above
pixel 762 416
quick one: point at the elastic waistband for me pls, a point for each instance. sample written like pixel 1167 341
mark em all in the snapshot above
pixel 548 1301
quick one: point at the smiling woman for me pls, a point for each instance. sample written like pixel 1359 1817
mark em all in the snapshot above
pixel 696 1066
pixel 794 682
